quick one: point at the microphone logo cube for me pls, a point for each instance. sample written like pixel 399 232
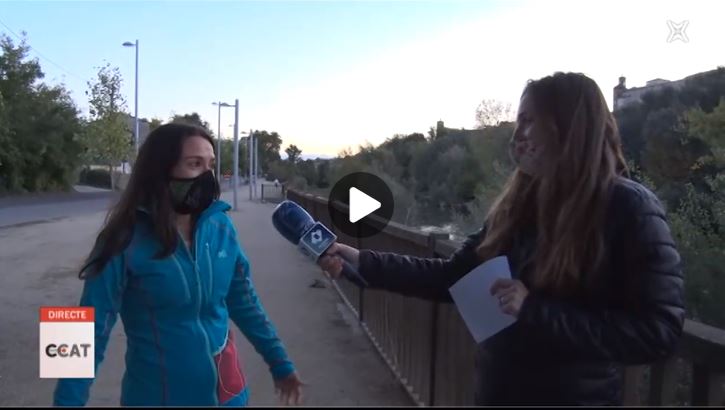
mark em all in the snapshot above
pixel 316 240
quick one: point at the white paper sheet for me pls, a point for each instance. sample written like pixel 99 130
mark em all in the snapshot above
pixel 478 308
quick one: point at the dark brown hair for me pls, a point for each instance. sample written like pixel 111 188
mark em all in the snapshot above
pixel 148 187
pixel 567 203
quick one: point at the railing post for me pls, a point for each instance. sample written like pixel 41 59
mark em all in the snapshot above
pixel 663 383
pixel 433 354
pixel 432 238
pixel 361 290
pixel 632 381
pixel 707 386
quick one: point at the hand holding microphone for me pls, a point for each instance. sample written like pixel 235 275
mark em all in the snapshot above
pixel 317 241
pixel 334 259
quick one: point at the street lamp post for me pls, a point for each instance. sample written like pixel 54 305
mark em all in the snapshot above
pixel 256 165
pixel 136 134
pixel 236 150
pixel 250 148
pixel 219 139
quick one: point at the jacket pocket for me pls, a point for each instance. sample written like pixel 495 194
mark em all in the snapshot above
pixel 163 282
pixel 231 381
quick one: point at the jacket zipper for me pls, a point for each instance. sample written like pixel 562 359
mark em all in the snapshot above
pixel 210 272
pixel 198 315
pixel 183 276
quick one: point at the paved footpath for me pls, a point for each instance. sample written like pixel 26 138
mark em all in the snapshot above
pixel 39 264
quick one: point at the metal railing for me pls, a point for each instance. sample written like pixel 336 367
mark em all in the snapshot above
pixel 431 352
pixel 273 193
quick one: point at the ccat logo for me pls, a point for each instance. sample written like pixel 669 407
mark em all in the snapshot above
pixel 64 350
pixel 67 342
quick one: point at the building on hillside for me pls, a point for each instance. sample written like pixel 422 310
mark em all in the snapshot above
pixel 624 96
pixel 441 130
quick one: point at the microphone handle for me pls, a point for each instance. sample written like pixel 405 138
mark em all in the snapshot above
pixel 353 275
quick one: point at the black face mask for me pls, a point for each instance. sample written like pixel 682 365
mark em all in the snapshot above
pixel 193 195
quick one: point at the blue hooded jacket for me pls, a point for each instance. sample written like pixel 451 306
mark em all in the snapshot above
pixel 175 312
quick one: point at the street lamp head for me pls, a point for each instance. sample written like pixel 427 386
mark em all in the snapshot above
pixel 129 44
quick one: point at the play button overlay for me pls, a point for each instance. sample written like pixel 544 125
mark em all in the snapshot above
pixel 360 205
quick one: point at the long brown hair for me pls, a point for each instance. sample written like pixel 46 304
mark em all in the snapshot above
pixel 567 203
pixel 148 187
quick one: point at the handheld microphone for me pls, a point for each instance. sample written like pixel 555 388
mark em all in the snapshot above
pixel 312 237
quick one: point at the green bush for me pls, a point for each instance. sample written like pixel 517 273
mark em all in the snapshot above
pixel 99 178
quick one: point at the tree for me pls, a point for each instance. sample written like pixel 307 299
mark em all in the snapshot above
pixel 39 125
pixel 345 152
pixel 491 153
pixel 323 172
pixel 268 145
pixel 404 148
pixel 698 224
pixel 9 152
pixel 368 153
pixel 491 113
pixel 710 129
pixel 432 133
pixel 227 157
pixel 668 154
pixel 107 137
pixel 432 174
pixel 155 123
pixel 285 171
pixel 192 119
pixel 293 153
pixel 308 171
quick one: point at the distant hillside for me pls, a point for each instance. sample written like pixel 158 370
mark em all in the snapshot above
pixel 305 157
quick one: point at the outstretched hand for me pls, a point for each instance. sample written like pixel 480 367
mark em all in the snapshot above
pixel 289 389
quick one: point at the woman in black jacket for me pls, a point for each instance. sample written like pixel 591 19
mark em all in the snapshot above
pixel 597 282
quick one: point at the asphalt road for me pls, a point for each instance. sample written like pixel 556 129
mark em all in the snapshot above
pixel 19 210
pixel 24 211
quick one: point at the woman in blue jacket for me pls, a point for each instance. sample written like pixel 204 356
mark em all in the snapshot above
pixel 168 261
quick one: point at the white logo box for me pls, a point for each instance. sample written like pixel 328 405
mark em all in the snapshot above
pixel 67 342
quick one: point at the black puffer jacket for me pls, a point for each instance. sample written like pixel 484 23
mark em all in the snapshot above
pixel 567 352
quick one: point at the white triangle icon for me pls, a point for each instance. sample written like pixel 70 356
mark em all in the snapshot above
pixel 361 205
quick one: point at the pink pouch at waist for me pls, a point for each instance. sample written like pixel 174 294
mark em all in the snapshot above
pixel 231 380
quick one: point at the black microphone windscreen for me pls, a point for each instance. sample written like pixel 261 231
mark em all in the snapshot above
pixel 291 221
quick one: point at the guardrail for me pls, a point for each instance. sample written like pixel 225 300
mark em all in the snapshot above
pixel 273 193
pixel 431 352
